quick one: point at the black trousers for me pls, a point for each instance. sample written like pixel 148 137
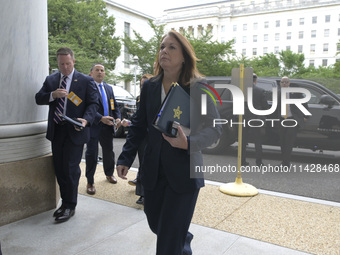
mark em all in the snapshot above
pixel 139 186
pixel 287 140
pixel 169 216
pixel 104 135
pixel 66 160
pixel 256 133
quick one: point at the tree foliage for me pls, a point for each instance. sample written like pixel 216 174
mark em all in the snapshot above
pixel 212 55
pixel 216 59
pixel 145 50
pixel 291 63
pixel 266 66
pixel 85 27
pixel 337 64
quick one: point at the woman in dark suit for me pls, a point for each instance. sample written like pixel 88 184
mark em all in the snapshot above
pixel 168 177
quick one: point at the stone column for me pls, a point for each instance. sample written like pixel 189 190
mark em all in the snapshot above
pixel 27 182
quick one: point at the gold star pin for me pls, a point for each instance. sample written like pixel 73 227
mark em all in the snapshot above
pixel 177 113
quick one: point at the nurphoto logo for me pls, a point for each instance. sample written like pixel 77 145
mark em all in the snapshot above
pixel 239 102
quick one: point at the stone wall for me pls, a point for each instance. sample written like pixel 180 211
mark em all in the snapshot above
pixel 27 187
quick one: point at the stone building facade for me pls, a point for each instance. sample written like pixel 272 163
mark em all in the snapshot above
pixel 258 27
pixel 128 20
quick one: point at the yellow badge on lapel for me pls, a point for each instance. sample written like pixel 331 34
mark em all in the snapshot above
pixel 74 98
pixel 112 104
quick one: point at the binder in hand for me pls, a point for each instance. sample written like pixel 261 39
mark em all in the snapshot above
pixel 174 111
pixel 75 122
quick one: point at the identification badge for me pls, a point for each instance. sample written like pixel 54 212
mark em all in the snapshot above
pixel 112 104
pixel 177 113
pixel 74 98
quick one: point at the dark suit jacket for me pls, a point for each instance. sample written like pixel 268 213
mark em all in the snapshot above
pixel 83 86
pixel 115 113
pixel 259 102
pixel 176 163
pixel 296 112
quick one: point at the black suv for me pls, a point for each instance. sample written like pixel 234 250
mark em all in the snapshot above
pixel 321 131
pixel 127 106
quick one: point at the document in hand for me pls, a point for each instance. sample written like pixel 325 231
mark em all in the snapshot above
pixel 174 110
pixel 75 122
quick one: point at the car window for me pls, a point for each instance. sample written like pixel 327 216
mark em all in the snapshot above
pixel 315 96
pixel 267 86
pixel 224 94
pixel 316 93
pixel 121 93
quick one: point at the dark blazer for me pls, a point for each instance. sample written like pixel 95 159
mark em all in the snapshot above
pixel 115 113
pixel 296 112
pixel 176 163
pixel 83 86
pixel 259 102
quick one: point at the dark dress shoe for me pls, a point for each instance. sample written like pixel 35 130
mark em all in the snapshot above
pixel 58 211
pixel 284 164
pixel 259 163
pixel 187 244
pixel 245 163
pixel 90 189
pixel 65 216
pixel 140 201
pixel 133 183
pixel 111 179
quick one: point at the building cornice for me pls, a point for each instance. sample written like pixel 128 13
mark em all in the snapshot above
pixel 198 5
pixel 224 9
pixel 128 9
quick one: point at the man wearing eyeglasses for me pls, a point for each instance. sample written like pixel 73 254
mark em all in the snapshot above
pixel 288 133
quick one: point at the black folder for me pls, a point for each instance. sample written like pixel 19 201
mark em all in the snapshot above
pixel 174 109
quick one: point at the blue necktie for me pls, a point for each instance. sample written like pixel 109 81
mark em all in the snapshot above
pixel 60 103
pixel 106 111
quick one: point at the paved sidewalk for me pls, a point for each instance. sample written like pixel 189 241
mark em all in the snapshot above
pixel 110 222
pixel 101 227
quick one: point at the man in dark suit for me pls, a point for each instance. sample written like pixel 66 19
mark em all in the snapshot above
pixel 102 130
pixel 288 134
pixel 259 103
pixel 73 94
